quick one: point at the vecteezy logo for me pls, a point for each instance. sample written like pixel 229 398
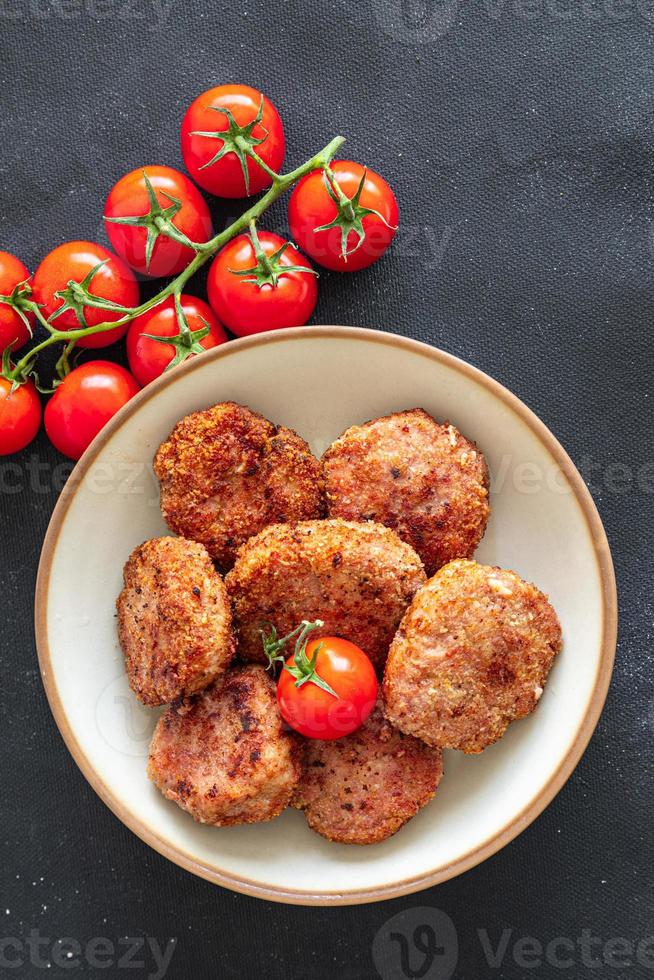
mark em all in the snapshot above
pixel 124 723
pixel 417 944
pixel 416 21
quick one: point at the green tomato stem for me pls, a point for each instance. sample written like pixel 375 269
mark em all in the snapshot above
pixel 281 183
pixel 259 253
pixel 63 364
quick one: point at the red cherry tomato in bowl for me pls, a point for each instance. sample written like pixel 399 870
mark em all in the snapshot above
pixel 311 207
pixel 20 416
pixel 75 261
pixel 149 358
pixel 218 164
pixel 248 299
pixel 327 688
pixel 176 200
pixel 84 402
pixel 13 329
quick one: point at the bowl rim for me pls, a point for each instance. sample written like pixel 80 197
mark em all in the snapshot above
pixel 518 822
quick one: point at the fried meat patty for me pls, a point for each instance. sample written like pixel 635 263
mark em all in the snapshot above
pixel 227 472
pixel 357 578
pixel 224 755
pixel 472 654
pixel 423 479
pixel 174 620
pixel 362 788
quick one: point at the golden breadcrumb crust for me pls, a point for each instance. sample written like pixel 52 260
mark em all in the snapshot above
pixel 227 472
pixel 362 788
pixel 174 620
pixel 472 654
pixel 357 578
pixel 224 755
pixel 423 479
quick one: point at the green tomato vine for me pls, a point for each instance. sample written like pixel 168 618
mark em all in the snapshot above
pixel 77 295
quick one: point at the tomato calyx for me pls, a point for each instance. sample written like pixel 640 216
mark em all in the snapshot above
pixel 268 269
pixel 238 140
pixel 303 668
pixel 17 376
pixel 19 300
pixel 9 371
pixel 157 221
pixel 187 341
pixel 77 295
pixel 349 213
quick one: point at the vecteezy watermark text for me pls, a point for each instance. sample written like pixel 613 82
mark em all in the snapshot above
pixel 31 474
pixel 427 21
pixel 150 13
pixel 144 953
pixel 564 953
pixel 423 944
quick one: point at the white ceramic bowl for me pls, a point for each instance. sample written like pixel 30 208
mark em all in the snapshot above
pixel 319 380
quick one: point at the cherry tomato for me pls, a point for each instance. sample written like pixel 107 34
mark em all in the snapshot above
pixel 20 416
pixel 84 402
pixel 149 358
pixel 311 207
pixel 176 200
pixel 13 329
pixel 74 261
pixel 224 174
pixel 247 307
pixel 312 710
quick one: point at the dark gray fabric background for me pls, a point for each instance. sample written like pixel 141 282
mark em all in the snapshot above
pixel 519 139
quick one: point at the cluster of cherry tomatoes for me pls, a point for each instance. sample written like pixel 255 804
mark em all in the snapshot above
pixel 342 216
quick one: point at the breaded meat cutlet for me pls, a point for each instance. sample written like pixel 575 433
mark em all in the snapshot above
pixel 362 788
pixel 423 479
pixel 472 654
pixel 227 472
pixel 174 620
pixel 357 578
pixel 224 756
